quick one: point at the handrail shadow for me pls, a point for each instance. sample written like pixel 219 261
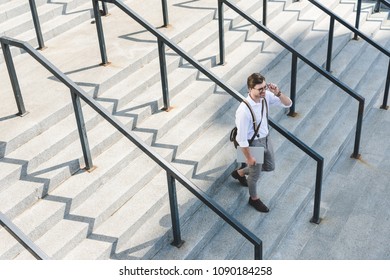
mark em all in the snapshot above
pixel 22 238
pixel 172 173
pixel 162 41
pixel 357 33
pixel 294 62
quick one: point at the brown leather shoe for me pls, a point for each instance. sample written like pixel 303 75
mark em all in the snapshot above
pixel 258 205
pixel 241 179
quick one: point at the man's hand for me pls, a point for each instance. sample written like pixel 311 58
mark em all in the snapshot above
pixel 273 88
pixel 251 161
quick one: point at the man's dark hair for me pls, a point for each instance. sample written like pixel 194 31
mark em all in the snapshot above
pixel 255 79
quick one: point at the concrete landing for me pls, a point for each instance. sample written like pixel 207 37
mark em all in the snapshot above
pixel 356 198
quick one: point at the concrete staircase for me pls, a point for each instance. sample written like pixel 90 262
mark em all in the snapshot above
pixel 55 18
pixel 120 210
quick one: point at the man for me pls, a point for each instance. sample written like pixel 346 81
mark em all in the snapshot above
pixel 260 97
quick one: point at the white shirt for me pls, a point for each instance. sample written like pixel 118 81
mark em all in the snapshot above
pixel 244 121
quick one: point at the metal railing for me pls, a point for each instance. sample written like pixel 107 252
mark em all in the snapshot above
pixel 37 25
pixel 265 11
pixel 357 33
pixel 103 11
pixel 295 55
pixel 23 239
pixel 378 5
pixel 172 174
pixel 162 41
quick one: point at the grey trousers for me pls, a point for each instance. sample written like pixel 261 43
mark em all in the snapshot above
pixel 254 171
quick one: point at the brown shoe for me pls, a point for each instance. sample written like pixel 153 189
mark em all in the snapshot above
pixel 241 179
pixel 258 205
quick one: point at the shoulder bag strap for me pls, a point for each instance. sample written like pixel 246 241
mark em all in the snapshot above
pixel 261 120
pixel 252 113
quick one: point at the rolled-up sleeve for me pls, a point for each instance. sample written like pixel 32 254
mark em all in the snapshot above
pixel 275 101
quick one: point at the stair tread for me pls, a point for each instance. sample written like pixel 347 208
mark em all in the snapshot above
pixel 118 189
pixel 55 246
pixel 108 228
pixel 33 224
pixel 10 9
pixel 210 250
pixel 127 226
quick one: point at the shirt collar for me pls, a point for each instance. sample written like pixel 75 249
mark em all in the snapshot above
pixel 252 102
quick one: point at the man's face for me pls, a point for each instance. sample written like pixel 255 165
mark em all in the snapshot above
pixel 258 91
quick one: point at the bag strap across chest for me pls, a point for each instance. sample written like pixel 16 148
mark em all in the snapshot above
pixel 255 126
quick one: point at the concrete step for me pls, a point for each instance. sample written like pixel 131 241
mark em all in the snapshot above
pixel 34 123
pixel 367 12
pixel 129 226
pixel 74 233
pixel 208 169
pixel 31 223
pixel 11 9
pixel 344 162
pixel 298 190
pixel 338 131
pixel 55 19
pixel 22 22
pixel 32 167
pixel 349 193
pixel 68 16
pixel 157 227
pixel 10 144
pixel 104 239
pixel 108 187
pixel 4 1
pixel 43 147
pixel 184 124
pixel 349 109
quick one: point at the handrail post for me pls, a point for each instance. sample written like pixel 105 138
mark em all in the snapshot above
pixel 164 74
pixel 317 195
pixel 100 33
pixel 293 84
pixel 259 251
pixel 82 130
pixel 386 92
pixel 104 9
pixel 359 124
pixel 177 241
pixel 330 44
pixel 37 25
pixel 172 174
pixel 377 6
pixel 165 12
pixel 265 2
pixel 221 33
pixel 14 79
pixel 357 22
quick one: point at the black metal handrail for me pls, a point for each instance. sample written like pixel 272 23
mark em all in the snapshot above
pixel 265 11
pixel 173 174
pixel 357 33
pixel 162 41
pixel 37 25
pixel 295 56
pixel 378 5
pixel 22 238
pixel 103 11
